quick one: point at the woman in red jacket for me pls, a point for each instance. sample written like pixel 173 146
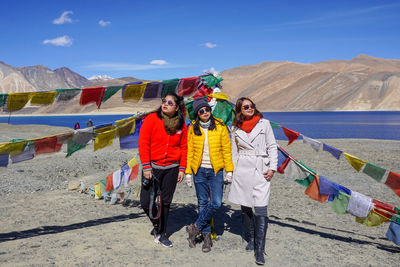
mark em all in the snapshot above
pixel 162 150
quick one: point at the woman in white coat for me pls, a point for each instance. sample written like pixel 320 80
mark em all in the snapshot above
pixel 255 159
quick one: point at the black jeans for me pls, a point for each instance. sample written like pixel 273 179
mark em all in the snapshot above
pixel 167 180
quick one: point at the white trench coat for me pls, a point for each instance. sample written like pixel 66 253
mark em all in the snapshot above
pixel 253 154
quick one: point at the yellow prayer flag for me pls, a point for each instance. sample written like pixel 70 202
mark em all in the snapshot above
pixel 104 129
pixel 17 101
pixel 16 148
pixel 132 162
pixel 125 126
pixel 43 98
pixel 97 190
pixel 373 219
pixel 134 92
pixel 4 148
pixel 220 96
pixel 104 139
pixel 354 161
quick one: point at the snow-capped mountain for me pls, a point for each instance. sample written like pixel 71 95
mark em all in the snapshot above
pixel 100 78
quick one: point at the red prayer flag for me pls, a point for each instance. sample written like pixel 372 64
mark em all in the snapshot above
pixel 291 135
pixel 203 91
pixel 134 172
pixel 393 181
pixel 383 206
pixel 109 183
pixel 281 169
pixel 92 94
pixel 187 86
pixel 47 145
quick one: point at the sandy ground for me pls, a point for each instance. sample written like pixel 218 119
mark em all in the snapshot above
pixel 43 224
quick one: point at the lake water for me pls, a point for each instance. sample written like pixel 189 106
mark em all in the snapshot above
pixel 352 124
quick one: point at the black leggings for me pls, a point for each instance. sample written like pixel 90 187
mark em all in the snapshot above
pixel 167 180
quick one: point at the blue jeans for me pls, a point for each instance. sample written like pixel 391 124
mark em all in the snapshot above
pixel 209 190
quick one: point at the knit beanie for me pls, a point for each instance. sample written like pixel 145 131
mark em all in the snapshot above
pixel 198 104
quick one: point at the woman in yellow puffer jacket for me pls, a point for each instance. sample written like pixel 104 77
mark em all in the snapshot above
pixel 209 152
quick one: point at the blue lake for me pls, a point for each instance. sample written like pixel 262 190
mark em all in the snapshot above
pixel 352 124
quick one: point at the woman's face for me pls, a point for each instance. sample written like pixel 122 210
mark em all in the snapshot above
pixel 169 106
pixel 204 114
pixel 248 109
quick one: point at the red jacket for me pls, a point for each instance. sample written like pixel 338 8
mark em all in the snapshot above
pixel 156 146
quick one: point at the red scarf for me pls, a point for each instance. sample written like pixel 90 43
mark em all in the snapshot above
pixel 248 125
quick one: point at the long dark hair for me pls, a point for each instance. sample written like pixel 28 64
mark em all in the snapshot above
pixel 196 125
pixel 180 113
pixel 239 118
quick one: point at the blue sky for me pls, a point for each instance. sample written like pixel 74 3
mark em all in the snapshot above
pixel 159 40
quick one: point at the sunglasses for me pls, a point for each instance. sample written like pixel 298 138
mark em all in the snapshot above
pixel 246 107
pixel 204 110
pixel 169 102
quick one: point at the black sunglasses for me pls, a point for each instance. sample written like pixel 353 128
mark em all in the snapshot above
pixel 246 107
pixel 169 102
pixel 205 109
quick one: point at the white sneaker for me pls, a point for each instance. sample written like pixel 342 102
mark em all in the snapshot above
pixel 157 239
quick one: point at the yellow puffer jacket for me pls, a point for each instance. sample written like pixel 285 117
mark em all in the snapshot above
pixel 219 145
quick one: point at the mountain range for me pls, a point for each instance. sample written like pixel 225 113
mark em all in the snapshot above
pixel 362 83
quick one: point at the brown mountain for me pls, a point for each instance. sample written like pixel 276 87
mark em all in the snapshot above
pixel 363 83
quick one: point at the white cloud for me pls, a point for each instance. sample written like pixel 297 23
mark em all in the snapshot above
pixel 63 18
pixel 158 62
pixel 210 45
pixel 104 23
pixel 59 41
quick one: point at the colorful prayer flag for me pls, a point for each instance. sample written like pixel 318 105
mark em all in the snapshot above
pixel 92 94
pixel 67 94
pixel 393 181
pixel 187 86
pixel 133 91
pixel 47 145
pixel 313 191
pixel 211 80
pixel 223 111
pixel 110 91
pixel 374 171
pixel 4 160
pixel 274 125
pixel 153 90
pixel 104 139
pixel 334 151
pixel 340 203
pixel 3 99
pixel 373 219
pixel 125 126
pixel 354 161
pixel 291 135
pixel 43 98
pixel 393 233
pixel 359 205
pixel 17 101
pixel 204 90
pixel 315 144
pixel 109 184
pixel 169 86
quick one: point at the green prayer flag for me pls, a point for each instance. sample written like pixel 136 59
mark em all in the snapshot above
pixel 110 91
pixel 306 181
pixel 169 86
pixel 340 203
pixel 274 125
pixel 302 164
pixel 73 147
pixel 223 111
pixel 189 108
pixel 211 80
pixel 3 99
pixel 374 171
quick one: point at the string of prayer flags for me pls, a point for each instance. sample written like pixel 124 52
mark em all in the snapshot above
pixel 110 91
pixel 313 191
pixel 17 101
pixel 340 203
pixel 169 86
pixel 393 181
pixel 315 144
pixel 47 145
pixel 133 91
pixel 104 139
pixel 187 86
pixel 92 94
pixel 291 135
pixel 374 171
pixel 359 205
pixel 354 161
pixel 153 90
pixel 67 94
pixel 43 98
pixel 393 233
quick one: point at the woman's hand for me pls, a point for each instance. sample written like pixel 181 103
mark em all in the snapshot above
pixel 268 175
pixel 181 175
pixel 147 174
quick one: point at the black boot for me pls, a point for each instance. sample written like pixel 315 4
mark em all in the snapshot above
pixel 248 226
pixel 261 225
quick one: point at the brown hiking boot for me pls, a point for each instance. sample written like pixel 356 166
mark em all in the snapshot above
pixel 207 243
pixel 193 232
